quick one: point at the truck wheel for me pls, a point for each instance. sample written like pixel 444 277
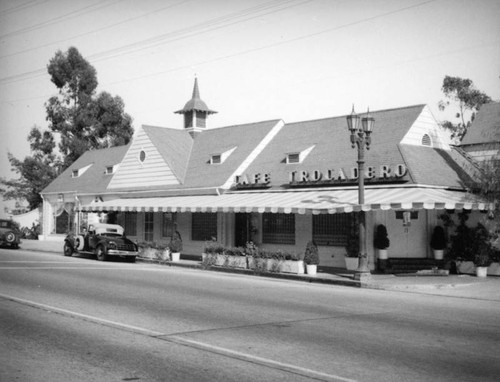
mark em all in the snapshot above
pixel 100 254
pixel 68 251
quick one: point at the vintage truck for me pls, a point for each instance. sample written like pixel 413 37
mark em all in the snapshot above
pixel 9 235
pixel 103 241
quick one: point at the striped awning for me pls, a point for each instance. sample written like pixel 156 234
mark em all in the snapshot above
pixel 299 202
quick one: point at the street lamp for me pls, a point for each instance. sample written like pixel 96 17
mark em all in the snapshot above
pixel 360 137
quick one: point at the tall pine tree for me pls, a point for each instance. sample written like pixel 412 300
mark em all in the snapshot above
pixel 81 120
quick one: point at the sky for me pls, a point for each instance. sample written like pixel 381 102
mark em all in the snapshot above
pixel 255 60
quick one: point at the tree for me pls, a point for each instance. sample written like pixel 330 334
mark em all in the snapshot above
pixel 463 94
pixel 83 120
pixel 80 119
pixel 35 172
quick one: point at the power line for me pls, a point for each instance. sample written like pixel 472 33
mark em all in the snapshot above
pixel 67 16
pixel 34 74
pixel 398 63
pixel 20 7
pixel 203 27
pixel 94 30
pixel 132 48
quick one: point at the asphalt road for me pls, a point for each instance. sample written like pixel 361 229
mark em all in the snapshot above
pixel 76 319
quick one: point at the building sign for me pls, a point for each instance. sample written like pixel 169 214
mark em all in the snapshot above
pixel 340 176
pixel 384 172
pixel 253 181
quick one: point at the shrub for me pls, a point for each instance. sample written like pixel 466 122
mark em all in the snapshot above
pixel 438 239
pixel 311 255
pixel 235 251
pixel 175 244
pixel 352 244
pixel 213 247
pixel 381 241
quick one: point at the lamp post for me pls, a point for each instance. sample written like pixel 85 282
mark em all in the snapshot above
pixel 360 137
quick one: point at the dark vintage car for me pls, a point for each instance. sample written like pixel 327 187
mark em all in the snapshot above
pixel 103 241
pixel 9 235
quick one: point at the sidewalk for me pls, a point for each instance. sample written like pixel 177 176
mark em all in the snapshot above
pixel 460 286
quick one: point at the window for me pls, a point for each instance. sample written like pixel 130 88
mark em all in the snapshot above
pixel 216 159
pixel 298 157
pixel 219 158
pixel 203 226
pixel 130 225
pixel 142 156
pixel 331 230
pixel 293 158
pixel 74 174
pixel 109 170
pixel 278 228
pixel 168 224
pixel 426 140
pixel 149 226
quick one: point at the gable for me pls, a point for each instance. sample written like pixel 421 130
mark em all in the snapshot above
pixel 426 131
pixel 143 166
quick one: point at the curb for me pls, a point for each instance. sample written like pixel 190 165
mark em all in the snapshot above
pixel 284 276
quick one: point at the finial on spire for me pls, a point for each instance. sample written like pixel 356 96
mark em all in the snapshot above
pixel 196 91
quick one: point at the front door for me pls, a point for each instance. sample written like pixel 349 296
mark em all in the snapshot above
pixel 242 229
pixel 409 236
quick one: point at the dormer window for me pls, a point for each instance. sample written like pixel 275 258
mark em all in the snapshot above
pixel 293 158
pixel 216 159
pixel 221 157
pixel 109 170
pixel 298 157
pixel 79 171
pixel 426 140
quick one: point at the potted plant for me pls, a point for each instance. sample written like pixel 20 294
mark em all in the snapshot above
pixel 381 242
pixel 484 250
pixel 311 258
pixel 175 246
pixel 438 242
pixel 352 246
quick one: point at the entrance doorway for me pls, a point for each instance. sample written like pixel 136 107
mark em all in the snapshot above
pixel 242 229
pixel 409 236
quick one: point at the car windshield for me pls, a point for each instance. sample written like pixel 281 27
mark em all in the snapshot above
pixel 110 234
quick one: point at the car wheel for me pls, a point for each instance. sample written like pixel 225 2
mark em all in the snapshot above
pixel 100 253
pixel 10 237
pixel 68 251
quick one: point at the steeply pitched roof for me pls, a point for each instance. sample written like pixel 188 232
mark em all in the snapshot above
pixel 200 173
pixel 486 126
pixel 174 145
pixel 94 179
pixel 332 146
pixel 436 167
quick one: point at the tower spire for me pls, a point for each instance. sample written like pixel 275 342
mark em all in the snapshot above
pixel 195 112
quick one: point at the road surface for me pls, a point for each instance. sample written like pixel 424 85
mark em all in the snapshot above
pixel 76 319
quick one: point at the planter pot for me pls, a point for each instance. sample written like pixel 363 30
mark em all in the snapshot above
pixel 175 256
pixel 148 253
pixel 292 266
pixel 352 263
pixel 382 254
pixel 230 261
pixel 311 269
pixel 438 254
pixel 481 271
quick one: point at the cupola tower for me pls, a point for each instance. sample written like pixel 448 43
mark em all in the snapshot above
pixel 195 112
